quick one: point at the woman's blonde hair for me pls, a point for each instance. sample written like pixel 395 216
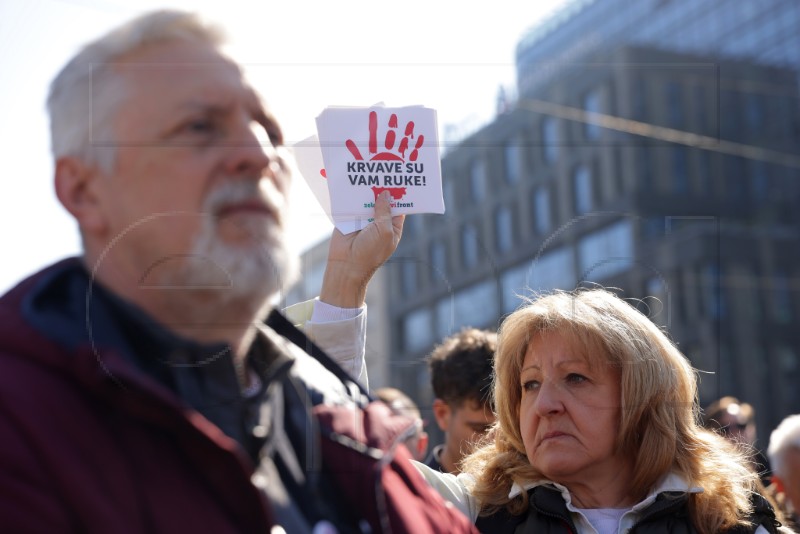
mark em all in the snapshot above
pixel 659 429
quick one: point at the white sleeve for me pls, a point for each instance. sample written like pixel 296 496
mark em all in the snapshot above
pixel 452 488
pixel 340 332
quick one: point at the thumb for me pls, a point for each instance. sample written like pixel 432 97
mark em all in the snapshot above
pixel 383 211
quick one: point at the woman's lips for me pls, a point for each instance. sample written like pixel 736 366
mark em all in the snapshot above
pixel 553 435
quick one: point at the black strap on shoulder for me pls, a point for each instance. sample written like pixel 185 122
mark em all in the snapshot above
pixel 763 516
pixel 763 513
pixel 282 326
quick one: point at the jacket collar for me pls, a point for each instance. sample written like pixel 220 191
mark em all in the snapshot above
pixel 672 482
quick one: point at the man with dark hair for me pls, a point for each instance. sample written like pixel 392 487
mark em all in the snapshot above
pixel 461 376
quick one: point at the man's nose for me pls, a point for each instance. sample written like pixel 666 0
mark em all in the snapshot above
pixel 251 151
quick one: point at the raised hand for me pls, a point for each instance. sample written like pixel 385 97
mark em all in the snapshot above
pixel 354 258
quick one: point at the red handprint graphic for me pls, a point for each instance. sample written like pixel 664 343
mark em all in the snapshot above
pixel 389 141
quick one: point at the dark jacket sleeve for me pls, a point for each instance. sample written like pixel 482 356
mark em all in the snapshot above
pixel 26 505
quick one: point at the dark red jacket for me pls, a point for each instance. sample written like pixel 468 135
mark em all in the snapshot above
pixel 90 443
pixel 94 448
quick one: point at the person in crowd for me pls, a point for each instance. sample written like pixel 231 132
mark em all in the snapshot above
pixel 732 418
pixel 736 421
pixel 461 377
pixel 400 403
pixel 143 385
pixel 598 431
pixel 784 457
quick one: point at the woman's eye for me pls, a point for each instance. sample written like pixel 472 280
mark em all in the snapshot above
pixel 575 378
pixel 530 385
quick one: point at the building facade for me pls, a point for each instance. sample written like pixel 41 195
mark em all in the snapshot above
pixel 671 176
pixel 760 31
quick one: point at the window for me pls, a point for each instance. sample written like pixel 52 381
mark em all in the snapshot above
pixel 469 246
pixel 704 183
pixel 754 111
pixel 616 180
pixel 644 169
pixel 541 210
pixel 418 330
pixel 477 180
pixel 680 171
pixel 449 192
pixel 713 296
pixel 735 180
pixel 553 270
pixel 504 229
pixel 759 180
pixel 607 252
pixel 639 94
pixel 476 305
pixel 781 298
pixel 657 300
pixel 591 104
pixel 787 361
pixel 513 284
pixel 412 226
pixel 550 139
pixel 445 318
pixel 702 106
pixel 438 260
pixel 408 276
pixel 582 189
pixel 728 115
pixel 674 105
pixel 513 161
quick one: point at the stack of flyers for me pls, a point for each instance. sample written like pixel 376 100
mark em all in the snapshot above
pixel 361 152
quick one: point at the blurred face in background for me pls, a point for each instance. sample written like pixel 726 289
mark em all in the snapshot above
pixel 736 426
pixel 463 425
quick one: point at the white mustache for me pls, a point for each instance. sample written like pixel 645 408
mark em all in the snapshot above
pixel 235 191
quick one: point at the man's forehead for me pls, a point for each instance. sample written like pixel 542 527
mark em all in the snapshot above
pixel 472 406
pixel 217 85
pixel 179 63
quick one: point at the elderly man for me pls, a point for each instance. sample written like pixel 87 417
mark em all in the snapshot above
pixel 784 456
pixel 140 389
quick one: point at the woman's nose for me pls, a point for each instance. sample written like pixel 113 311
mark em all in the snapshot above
pixel 549 399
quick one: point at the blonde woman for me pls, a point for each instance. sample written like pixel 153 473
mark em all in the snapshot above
pixel 598 432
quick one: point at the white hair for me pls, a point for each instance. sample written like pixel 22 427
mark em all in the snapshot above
pixel 81 102
pixel 786 436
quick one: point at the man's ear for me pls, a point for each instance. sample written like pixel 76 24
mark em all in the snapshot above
pixel 442 412
pixel 76 189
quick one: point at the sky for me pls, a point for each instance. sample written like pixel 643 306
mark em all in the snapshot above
pixel 302 56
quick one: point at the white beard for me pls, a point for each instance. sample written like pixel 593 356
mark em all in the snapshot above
pixel 250 274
